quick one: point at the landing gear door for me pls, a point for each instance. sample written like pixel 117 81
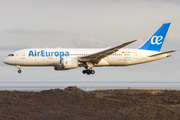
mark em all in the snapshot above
pixel 22 55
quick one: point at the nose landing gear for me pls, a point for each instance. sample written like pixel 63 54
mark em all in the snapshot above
pixel 19 71
pixel 19 67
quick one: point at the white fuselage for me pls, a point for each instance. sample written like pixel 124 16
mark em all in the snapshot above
pixel 51 57
pixel 71 58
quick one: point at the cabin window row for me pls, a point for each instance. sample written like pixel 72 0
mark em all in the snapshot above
pixel 82 54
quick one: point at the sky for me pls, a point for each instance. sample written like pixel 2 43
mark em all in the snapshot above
pixel 89 24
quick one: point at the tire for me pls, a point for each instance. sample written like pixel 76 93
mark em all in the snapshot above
pixel 19 71
pixel 88 72
pixel 84 71
pixel 92 72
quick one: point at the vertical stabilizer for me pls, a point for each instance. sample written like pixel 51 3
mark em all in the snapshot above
pixel 156 41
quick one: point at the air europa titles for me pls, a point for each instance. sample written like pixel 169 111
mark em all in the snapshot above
pixel 44 53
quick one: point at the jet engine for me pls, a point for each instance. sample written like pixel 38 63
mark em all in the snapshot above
pixel 67 63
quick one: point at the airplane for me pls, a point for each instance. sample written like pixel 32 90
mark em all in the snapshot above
pixel 71 58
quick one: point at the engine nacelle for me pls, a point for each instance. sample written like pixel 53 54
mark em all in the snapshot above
pixel 67 63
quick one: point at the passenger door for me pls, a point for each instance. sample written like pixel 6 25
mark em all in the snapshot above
pixel 22 55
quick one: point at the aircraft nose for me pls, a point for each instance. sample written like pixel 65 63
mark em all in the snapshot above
pixel 5 60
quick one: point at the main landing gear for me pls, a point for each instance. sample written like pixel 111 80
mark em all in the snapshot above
pixel 88 71
pixel 19 67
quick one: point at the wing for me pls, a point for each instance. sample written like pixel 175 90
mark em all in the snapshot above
pixel 162 53
pixel 96 57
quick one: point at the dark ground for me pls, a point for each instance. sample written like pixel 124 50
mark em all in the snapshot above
pixel 74 103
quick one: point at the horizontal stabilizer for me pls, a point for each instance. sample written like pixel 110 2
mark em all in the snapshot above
pixel 162 53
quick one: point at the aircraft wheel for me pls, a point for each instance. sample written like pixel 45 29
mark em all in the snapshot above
pixel 88 72
pixel 92 72
pixel 84 71
pixel 19 71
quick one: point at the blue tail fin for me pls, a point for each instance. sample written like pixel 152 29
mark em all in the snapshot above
pixel 155 42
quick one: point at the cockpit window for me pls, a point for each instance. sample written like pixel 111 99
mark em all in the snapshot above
pixel 11 55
